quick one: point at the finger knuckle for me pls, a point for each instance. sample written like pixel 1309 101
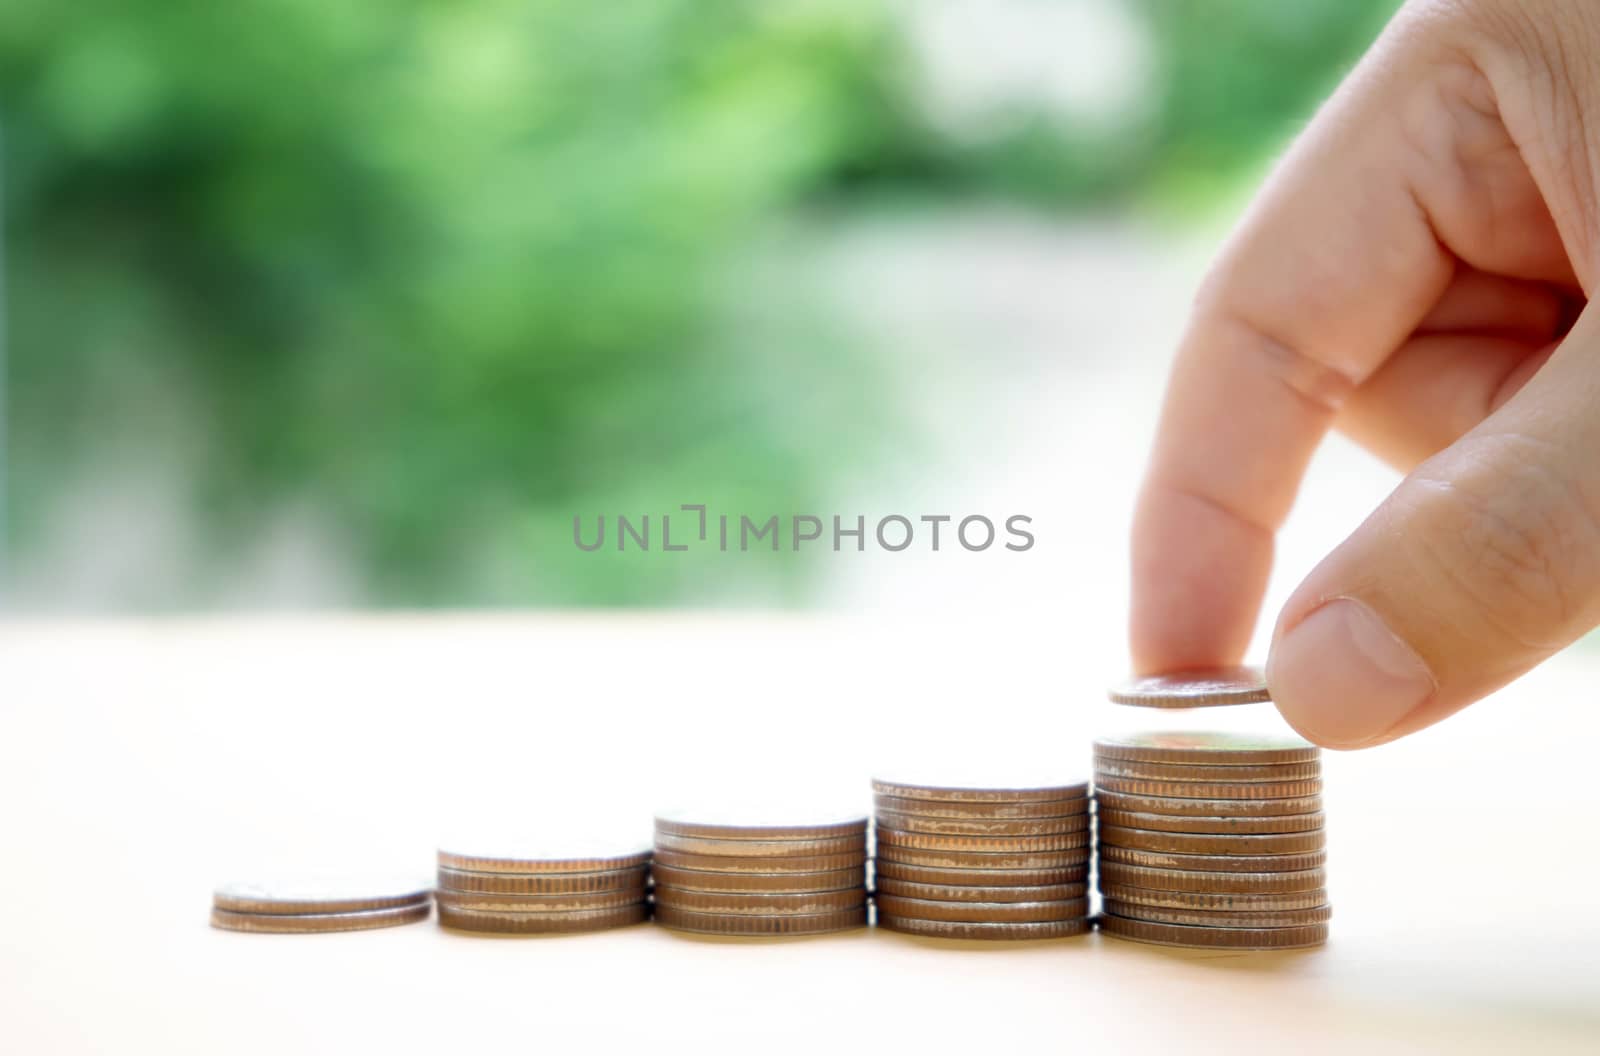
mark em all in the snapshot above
pixel 1538 56
pixel 1516 540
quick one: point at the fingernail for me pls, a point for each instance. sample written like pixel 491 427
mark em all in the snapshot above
pixel 1343 678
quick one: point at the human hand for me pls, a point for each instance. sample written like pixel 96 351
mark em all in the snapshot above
pixel 1414 273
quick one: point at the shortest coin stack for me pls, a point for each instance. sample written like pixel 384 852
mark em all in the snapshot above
pixel 975 862
pixel 1211 840
pixel 565 891
pixel 309 905
pixel 760 876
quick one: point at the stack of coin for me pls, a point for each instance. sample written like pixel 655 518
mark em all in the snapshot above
pixel 1211 840
pixel 760 875
pixel 308 905
pixel 580 889
pixel 977 862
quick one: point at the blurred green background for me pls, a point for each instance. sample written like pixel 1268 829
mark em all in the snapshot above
pixel 434 277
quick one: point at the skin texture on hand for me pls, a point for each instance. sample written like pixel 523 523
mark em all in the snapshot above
pixel 1415 273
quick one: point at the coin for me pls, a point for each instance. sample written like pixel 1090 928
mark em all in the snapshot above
pixel 1207 843
pixel 1207 687
pixel 1283 823
pixel 982 912
pixel 774 883
pixel 984 826
pixel 1118 875
pixel 1237 774
pixel 759 848
pixel 735 826
pixel 1214 863
pixel 964 793
pixel 978 811
pixel 301 923
pixel 320 895
pixel 980 860
pixel 545 883
pixel 885 869
pixel 811 863
pixel 957 893
pixel 501 903
pixel 623 858
pixel 1216 902
pixel 1206 918
pixel 1230 938
pixel 543 923
pixel 950 929
pixel 1209 790
pixel 806 903
pixel 1070 841
pixel 1211 749
pixel 1208 808
pixel 735 924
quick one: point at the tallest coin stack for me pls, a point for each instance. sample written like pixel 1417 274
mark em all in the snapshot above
pixel 1212 840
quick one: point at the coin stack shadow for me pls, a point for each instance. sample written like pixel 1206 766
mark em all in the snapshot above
pixel 299 908
pixel 1211 840
pixel 982 863
pixel 757 880
pixel 542 896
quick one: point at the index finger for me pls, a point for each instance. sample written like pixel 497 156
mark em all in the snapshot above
pixel 1334 265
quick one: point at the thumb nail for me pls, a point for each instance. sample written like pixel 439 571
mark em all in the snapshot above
pixel 1343 678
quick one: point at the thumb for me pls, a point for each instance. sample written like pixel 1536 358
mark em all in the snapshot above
pixel 1482 563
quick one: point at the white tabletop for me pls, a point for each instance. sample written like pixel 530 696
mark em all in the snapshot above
pixel 143 763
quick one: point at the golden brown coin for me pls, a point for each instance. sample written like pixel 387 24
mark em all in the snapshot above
pixel 493 903
pixel 933 808
pixel 1179 772
pixel 951 929
pixel 712 863
pixel 544 884
pixel 764 905
pixel 1208 808
pixel 1215 863
pixel 741 924
pixel 1200 687
pixel 1209 749
pixel 1283 823
pixel 772 883
pixel 609 860
pixel 1115 874
pixel 930 841
pixel 314 895
pixel 304 923
pixel 980 860
pixel 983 912
pixel 1208 843
pixel 749 825
pixel 666 841
pixel 1209 789
pixel 569 922
pixel 1206 918
pixel 955 893
pixel 887 819
pixel 998 793
pixel 1207 902
pixel 884 869
pixel 1229 938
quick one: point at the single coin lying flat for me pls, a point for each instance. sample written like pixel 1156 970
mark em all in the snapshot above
pixel 1210 687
